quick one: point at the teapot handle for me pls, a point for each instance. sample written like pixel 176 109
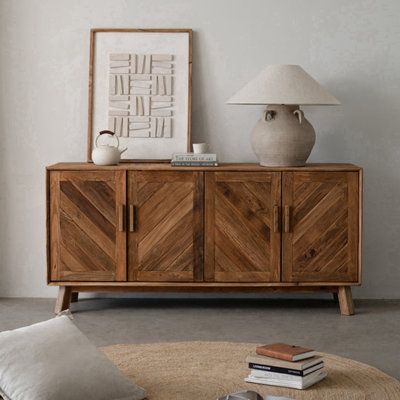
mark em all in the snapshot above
pixel 106 132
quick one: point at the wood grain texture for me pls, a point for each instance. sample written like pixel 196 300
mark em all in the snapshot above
pixel 54 226
pixel 198 223
pixel 48 228
pixel 209 240
pixel 92 47
pixel 167 244
pixel 207 284
pixel 322 242
pixel 90 96
pixel 158 166
pixel 85 241
pixel 241 243
pixel 63 299
pixel 194 286
pixel 238 210
pixel 360 223
pixel 345 300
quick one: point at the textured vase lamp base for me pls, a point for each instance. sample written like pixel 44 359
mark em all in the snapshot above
pixel 283 137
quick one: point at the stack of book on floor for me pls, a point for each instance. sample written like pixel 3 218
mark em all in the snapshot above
pixel 194 160
pixel 280 364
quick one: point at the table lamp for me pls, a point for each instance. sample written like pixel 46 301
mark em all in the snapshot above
pixel 283 136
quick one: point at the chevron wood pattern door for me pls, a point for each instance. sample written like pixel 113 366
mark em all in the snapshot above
pixel 242 226
pixel 321 220
pixel 88 242
pixel 165 226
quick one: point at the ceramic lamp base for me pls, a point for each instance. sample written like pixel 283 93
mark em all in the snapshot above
pixel 283 137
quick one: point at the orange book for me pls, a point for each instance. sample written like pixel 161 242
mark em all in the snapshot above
pixel 285 351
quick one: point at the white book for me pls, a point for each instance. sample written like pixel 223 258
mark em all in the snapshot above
pixel 268 374
pixel 256 373
pixel 274 362
pixel 304 384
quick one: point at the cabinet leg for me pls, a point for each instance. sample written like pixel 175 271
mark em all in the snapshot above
pixel 74 297
pixel 63 299
pixel 345 300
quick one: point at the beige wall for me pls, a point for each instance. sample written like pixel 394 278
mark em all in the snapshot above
pixel 351 47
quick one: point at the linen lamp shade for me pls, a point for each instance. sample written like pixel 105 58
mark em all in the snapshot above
pixel 283 84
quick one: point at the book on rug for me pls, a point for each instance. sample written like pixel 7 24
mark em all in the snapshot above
pixel 274 371
pixel 286 371
pixel 285 351
pixel 264 361
pixel 256 373
pixel 294 382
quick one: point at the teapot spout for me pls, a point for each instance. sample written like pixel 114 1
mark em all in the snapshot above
pixel 122 151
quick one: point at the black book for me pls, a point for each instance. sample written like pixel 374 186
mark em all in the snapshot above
pixel 288 371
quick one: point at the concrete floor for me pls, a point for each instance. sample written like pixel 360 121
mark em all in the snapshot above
pixel 371 336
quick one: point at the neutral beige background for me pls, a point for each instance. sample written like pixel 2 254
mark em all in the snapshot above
pixel 351 47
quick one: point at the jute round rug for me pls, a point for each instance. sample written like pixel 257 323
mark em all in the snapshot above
pixel 207 370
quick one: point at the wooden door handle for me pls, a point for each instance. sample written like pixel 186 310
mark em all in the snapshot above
pixel 121 218
pixel 286 215
pixel 131 218
pixel 276 219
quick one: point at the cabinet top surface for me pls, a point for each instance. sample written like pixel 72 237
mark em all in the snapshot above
pixel 82 166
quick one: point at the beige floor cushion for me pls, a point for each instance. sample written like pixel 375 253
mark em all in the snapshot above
pixel 53 360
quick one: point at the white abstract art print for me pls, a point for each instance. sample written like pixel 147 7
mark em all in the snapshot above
pixel 140 88
pixel 141 97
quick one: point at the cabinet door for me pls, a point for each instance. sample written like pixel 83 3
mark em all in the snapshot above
pixel 87 237
pixel 242 226
pixel 321 226
pixel 165 226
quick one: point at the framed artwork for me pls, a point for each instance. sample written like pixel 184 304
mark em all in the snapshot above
pixel 140 88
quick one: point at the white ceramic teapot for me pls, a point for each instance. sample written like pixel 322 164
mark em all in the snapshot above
pixel 106 154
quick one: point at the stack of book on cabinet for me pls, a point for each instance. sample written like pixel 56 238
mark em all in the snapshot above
pixel 280 364
pixel 194 160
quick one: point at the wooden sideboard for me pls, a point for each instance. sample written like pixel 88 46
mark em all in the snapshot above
pixel 236 227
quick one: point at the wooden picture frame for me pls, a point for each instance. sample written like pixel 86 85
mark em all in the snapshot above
pixel 181 147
